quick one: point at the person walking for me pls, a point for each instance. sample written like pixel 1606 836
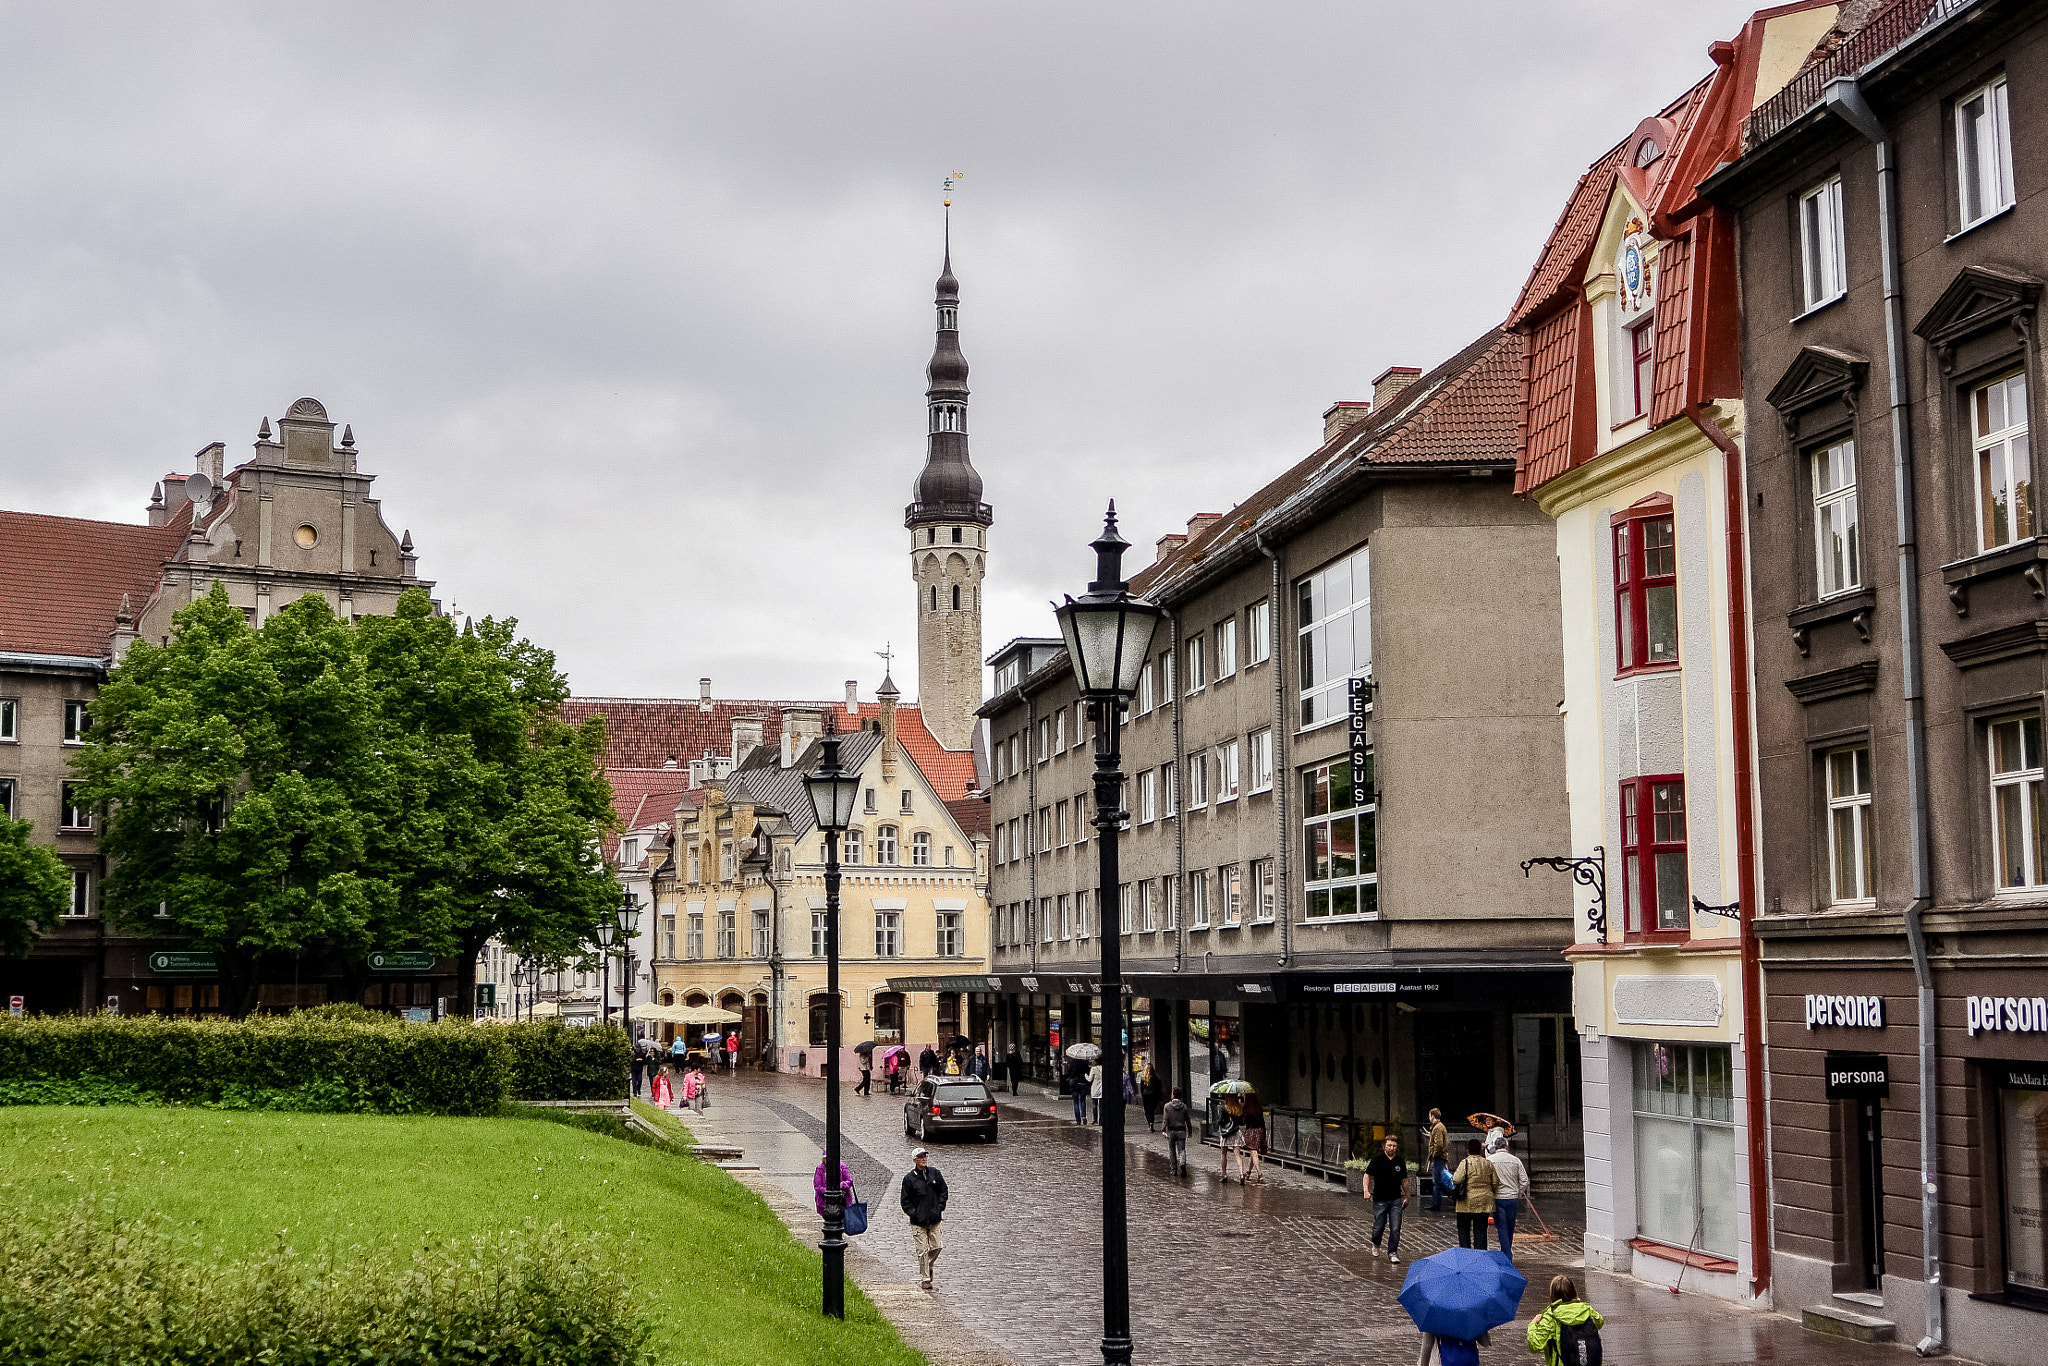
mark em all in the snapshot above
pixel 928 1061
pixel 1514 1189
pixel 1439 1154
pixel 821 1186
pixel 639 1068
pixel 1568 1330
pixel 1386 1189
pixel 1077 1083
pixel 1148 1093
pixel 924 1204
pixel 1095 1087
pixel 663 1092
pixel 1230 1134
pixel 977 1066
pixel 1014 1065
pixel 732 1051
pixel 952 1064
pixel 1252 1137
pixel 1178 1120
pixel 866 1085
pixel 1475 1183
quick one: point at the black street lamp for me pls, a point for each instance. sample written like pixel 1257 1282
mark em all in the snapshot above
pixel 606 933
pixel 833 793
pixel 1109 635
pixel 518 981
pixel 629 929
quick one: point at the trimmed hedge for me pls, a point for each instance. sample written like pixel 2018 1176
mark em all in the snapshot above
pixel 85 1289
pixel 302 1062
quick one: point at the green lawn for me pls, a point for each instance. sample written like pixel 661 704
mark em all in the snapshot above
pixel 719 1275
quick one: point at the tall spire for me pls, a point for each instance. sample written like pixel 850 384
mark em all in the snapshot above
pixel 949 488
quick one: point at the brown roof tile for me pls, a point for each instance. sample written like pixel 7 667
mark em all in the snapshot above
pixel 646 732
pixel 62 579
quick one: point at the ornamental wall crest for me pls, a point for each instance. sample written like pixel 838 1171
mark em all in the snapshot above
pixel 1635 272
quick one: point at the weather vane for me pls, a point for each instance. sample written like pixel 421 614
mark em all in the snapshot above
pixel 951 181
pixel 888 657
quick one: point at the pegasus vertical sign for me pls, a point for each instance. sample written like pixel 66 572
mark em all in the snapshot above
pixel 1361 702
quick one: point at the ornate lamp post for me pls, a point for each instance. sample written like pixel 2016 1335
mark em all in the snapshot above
pixel 833 792
pixel 1109 635
pixel 629 930
pixel 607 931
pixel 518 981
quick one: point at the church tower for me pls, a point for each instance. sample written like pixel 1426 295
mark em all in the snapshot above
pixel 948 539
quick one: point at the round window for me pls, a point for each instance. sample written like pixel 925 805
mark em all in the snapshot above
pixel 306 537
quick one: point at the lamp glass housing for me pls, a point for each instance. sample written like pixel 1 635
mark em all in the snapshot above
pixel 629 916
pixel 833 790
pixel 606 931
pixel 1108 639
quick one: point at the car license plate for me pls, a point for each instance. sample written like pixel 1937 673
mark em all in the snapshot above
pixel 966 1109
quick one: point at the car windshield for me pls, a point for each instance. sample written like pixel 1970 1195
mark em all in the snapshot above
pixel 961 1095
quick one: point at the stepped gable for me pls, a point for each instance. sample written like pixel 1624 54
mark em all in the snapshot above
pixel 62 579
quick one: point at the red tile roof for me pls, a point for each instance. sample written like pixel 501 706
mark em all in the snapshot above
pixel 62 579
pixel 950 771
pixel 645 796
pixel 972 813
pixel 646 732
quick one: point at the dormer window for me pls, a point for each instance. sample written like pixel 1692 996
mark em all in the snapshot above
pixel 1647 151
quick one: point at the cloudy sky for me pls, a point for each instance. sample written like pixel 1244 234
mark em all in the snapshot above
pixel 629 304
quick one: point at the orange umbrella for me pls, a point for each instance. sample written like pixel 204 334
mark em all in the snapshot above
pixel 1483 1120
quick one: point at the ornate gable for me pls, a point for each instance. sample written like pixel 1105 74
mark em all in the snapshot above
pixel 1978 299
pixel 1815 376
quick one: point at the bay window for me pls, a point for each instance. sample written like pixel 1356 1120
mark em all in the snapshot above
pixel 1335 636
pixel 2003 461
pixel 1340 837
pixel 1645 591
pixel 1655 885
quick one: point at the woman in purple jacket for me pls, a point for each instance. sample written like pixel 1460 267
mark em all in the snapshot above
pixel 818 1184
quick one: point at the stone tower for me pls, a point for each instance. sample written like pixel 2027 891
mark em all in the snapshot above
pixel 948 539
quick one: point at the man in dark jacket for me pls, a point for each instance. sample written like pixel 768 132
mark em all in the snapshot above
pixel 928 1061
pixel 1178 1122
pixel 1077 1084
pixel 1014 1066
pixel 924 1204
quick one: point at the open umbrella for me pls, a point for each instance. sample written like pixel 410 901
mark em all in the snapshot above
pixel 1086 1052
pixel 1462 1292
pixel 1231 1088
pixel 1485 1121
pixel 864 1048
pixel 893 1049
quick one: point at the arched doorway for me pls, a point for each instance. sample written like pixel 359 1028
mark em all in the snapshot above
pixel 757 1040
pixel 888 1013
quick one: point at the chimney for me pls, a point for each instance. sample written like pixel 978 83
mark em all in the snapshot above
pixel 746 736
pixel 1201 522
pixel 1344 414
pixel 408 563
pixel 887 696
pixel 1170 542
pixel 124 630
pixel 158 513
pixel 703 694
pixel 210 462
pixel 853 697
pixel 800 726
pixel 1390 382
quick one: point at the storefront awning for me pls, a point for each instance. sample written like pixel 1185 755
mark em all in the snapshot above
pixel 953 983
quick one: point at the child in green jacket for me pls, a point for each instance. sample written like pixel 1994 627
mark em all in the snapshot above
pixel 1565 1310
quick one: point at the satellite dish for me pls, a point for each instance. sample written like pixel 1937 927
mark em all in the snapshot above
pixel 199 488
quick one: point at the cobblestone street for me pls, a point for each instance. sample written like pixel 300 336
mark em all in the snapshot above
pixel 1273 1275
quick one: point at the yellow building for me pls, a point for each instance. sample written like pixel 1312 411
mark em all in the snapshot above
pixel 740 897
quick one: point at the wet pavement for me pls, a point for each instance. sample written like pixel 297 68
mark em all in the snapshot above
pixel 1274 1275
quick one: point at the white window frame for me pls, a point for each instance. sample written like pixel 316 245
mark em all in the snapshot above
pixel 71 815
pixel 1080 723
pixel 1325 700
pixel 1045 920
pixel 1081 930
pixel 693 933
pixel 668 937
pixel 1823 271
pixel 1198 664
pixel 1265 903
pixel 1126 894
pixel 2016 796
pixel 886 852
pixel 77 721
pixel 1258 633
pixel 849 846
pixel 906 804
pixel 1045 829
pixel 1145 689
pixel 1198 898
pixel 80 907
pixel 1148 905
pixel 1983 174
pixel 1849 833
pixel 1066 915
pixel 1198 780
pixel 7 797
pixel 950 940
pixel 1230 894
pixel 1992 454
pixel 1044 739
pixel 1227 772
pixel 921 849
pixel 1331 883
pixel 888 934
pixel 1226 648
pixel 1166 675
pixel 1261 761
pixel 1837 531
pixel 1059 817
pixel 1169 789
pixel 10 721
pixel 728 932
pixel 1169 892
pixel 1148 797
pixel 764 935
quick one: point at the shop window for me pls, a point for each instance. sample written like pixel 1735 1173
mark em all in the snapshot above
pixel 2003 462
pixel 1340 836
pixel 1335 636
pixel 1823 271
pixel 1686 1177
pixel 1984 152
pixel 1258 633
pixel 950 941
pixel 889 1018
pixel 1656 891
pixel 2023 1161
pixel 1851 856
pixel 821 1021
pixel 1835 519
pixel 2016 802
pixel 1645 592
pixel 888 934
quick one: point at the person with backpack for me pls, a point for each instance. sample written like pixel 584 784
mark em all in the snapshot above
pixel 1178 1121
pixel 1474 1186
pixel 1567 1332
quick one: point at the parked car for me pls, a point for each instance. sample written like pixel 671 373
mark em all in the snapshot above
pixel 950 1105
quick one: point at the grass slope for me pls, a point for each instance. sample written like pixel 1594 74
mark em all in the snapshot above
pixel 718 1274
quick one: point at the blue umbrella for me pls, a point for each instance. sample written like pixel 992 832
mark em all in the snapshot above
pixel 1462 1292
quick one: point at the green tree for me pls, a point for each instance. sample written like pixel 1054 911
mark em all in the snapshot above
pixel 35 887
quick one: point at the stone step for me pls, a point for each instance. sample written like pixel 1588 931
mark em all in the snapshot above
pixel 1846 1323
pixel 1862 1299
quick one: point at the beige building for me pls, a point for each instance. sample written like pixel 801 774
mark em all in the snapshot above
pixel 740 901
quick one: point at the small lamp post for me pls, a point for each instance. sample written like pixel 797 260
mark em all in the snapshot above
pixel 1109 636
pixel 833 792
pixel 606 933
pixel 518 981
pixel 629 930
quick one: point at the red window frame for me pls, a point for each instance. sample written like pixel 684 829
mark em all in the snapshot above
pixel 1643 360
pixel 1653 828
pixel 1645 565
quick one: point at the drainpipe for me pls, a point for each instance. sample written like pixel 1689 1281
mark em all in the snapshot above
pixel 1745 844
pixel 1031 818
pixel 1845 97
pixel 1180 816
pixel 1280 784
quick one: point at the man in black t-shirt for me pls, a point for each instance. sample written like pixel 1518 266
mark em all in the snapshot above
pixel 1387 1187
